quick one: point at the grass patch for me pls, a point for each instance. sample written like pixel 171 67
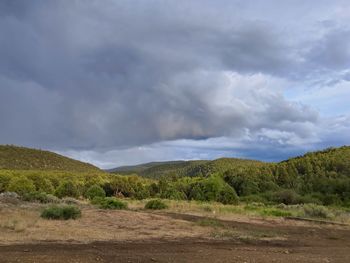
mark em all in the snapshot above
pixel 156 204
pixel 275 212
pixel 110 203
pixel 61 212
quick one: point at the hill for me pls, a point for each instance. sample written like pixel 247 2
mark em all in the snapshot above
pixel 321 177
pixel 184 168
pixel 326 162
pixel 21 158
pixel 139 168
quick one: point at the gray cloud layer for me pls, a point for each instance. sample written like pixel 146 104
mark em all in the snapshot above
pixel 97 76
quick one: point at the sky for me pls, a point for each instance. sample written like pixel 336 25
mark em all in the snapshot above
pixel 120 82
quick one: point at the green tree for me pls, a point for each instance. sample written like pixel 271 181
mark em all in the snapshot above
pixel 21 185
pixel 227 195
pixel 4 182
pixel 95 191
pixel 67 188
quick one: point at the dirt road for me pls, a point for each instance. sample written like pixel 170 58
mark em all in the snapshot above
pixel 297 244
pixel 177 251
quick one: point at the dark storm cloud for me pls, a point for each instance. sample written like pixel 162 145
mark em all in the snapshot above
pixel 103 75
pixel 332 51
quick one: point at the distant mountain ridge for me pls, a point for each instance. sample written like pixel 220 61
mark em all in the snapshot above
pixel 183 168
pixel 22 158
pixel 338 157
pixel 143 166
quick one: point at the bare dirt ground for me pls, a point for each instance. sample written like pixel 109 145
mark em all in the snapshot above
pixel 141 236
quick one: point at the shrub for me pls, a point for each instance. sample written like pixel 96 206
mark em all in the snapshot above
pixel 61 212
pixel 97 200
pixel 21 185
pixel 142 193
pixel 171 193
pixel 253 198
pixel 95 191
pixel 227 195
pixel 155 204
pixel 9 197
pixel 52 199
pixel 110 203
pixel 70 201
pixel 287 197
pixel 310 199
pixel 41 183
pixel 39 197
pixel 67 189
pixel 208 189
pixel 4 182
pixel 312 210
pixel 331 199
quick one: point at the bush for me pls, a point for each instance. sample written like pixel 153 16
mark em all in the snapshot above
pixel 310 199
pixel 41 183
pixel 227 195
pixel 287 197
pixel 67 189
pixel 40 197
pixel 110 203
pixel 70 201
pixel 9 197
pixel 142 193
pixel 331 199
pixel 21 185
pixel 311 210
pixel 155 204
pixel 95 191
pixel 253 198
pixel 4 182
pixel 210 189
pixel 97 200
pixel 173 194
pixel 61 212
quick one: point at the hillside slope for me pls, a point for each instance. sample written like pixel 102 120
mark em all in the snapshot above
pixel 21 158
pixel 330 161
pixel 139 168
pixel 185 168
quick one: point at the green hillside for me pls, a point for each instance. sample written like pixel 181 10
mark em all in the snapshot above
pixel 21 158
pixel 185 168
pixel 321 177
pixel 142 168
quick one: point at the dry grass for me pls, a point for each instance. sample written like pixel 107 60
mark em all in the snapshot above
pixel 20 225
pixel 253 213
pixel 17 220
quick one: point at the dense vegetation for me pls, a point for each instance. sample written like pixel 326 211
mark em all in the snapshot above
pixel 321 178
pixel 21 158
